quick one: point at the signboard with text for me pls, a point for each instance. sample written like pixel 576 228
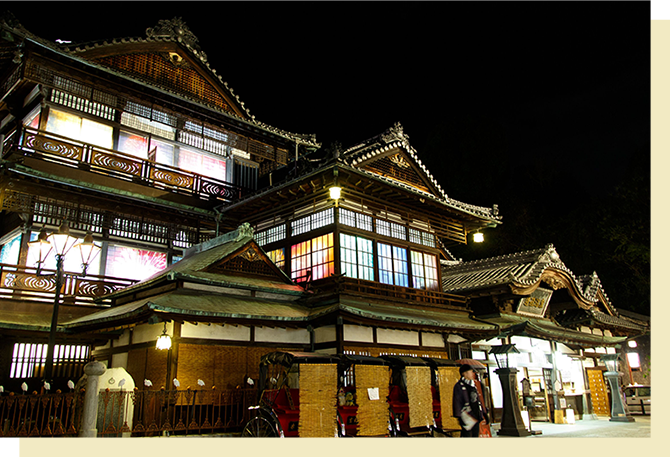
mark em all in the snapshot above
pixel 536 303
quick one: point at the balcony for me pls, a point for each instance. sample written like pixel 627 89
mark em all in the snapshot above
pixel 49 147
pixel 23 283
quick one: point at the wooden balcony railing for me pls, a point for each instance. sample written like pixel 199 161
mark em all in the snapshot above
pixel 76 154
pixel 24 283
pixel 407 295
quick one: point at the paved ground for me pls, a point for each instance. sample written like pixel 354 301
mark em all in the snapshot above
pixel 598 428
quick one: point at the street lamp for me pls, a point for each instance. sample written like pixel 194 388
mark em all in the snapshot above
pixel 511 423
pixel 619 412
pixel 61 242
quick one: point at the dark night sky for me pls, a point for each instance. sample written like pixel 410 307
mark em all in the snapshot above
pixel 539 107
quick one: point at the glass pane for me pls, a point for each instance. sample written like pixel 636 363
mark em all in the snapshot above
pixel 202 164
pixel 65 124
pixel 96 133
pixel 130 263
pixel 164 152
pixel 9 253
pixel 135 145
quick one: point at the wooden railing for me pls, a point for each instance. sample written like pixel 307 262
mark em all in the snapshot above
pixel 76 154
pixel 24 283
pixel 342 284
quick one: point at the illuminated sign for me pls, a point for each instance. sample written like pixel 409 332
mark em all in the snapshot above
pixel 536 303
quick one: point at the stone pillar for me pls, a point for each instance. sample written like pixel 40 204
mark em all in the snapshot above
pixel 89 418
pixel 511 423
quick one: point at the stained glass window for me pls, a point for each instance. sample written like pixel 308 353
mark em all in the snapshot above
pixel 357 259
pixel 392 267
pixel 313 259
pixel 424 271
pixel 131 263
pixel 277 256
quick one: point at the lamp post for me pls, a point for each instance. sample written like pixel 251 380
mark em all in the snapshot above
pixel 61 242
pixel 619 410
pixel 511 423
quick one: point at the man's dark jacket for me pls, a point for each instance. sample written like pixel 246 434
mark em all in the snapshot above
pixel 466 395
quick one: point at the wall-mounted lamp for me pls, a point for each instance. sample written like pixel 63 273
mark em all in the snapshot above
pixel 478 237
pixel 335 192
pixel 164 342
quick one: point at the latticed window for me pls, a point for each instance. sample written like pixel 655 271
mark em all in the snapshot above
pixel 270 235
pixel 391 229
pixel 28 360
pixel 424 271
pixel 312 222
pixel 421 237
pixel 357 257
pixel 79 128
pixel 354 219
pixel 392 262
pixel 313 259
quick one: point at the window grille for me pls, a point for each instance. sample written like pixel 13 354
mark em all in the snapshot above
pixel 28 360
pixel 424 271
pixel 148 126
pixel 392 261
pixel 312 222
pixel 270 235
pixel 354 219
pixel 83 105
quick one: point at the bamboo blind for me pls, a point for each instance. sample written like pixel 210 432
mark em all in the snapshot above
pixel 372 415
pixel 420 396
pixel 318 397
pixel 447 378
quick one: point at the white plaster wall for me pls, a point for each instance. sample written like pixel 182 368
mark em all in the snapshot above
pixel 357 333
pixel 120 360
pixel 584 329
pixel 432 340
pixel 105 346
pixel 324 334
pixel 404 337
pixel 216 332
pixel 282 335
pixel 123 340
pixel 149 332
pixel 459 339
pixel 607 333
pixel 597 331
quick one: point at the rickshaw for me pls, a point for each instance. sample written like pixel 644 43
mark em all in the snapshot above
pixel 317 394
pixel 444 374
pixel 412 407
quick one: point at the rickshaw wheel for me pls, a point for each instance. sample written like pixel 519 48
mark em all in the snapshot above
pixel 259 427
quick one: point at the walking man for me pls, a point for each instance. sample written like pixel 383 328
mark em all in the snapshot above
pixel 466 405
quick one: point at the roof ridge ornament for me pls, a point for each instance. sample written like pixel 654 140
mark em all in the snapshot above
pixel 395 132
pixel 244 230
pixel 177 30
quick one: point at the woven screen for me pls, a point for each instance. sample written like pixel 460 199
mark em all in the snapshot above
pixel 372 415
pixel 447 377
pixel 318 397
pixel 420 396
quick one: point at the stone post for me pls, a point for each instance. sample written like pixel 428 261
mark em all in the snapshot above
pixel 89 418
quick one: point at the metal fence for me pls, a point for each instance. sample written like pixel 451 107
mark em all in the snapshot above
pixel 128 413
pixel 57 414
pixel 173 412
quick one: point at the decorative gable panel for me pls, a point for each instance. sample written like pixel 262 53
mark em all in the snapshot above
pixel 397 167
pixel 250 261
pixel 169 71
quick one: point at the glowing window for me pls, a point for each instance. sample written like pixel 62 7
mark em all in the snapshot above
pixel 633 359
pixel 202 164
pixel 28 359
pixel 131 263
pixel 71 264
pixel 135 145
pixel 270 235
pixel 354 219
pixel 9 253
pixel 78 128
pixel 313 259
pixel 277 256
pixel 161 152
pixel 424 271
pixel 357 257
pixel 392 265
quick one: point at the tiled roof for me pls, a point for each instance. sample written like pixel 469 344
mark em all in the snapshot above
pixel 585 316
pixel 520 269
pixel 395 138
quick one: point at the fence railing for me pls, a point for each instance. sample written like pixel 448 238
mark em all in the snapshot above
pixel 57 414
pixel 128 413
pixel 20 281
pixel 76 154
pixel 173 412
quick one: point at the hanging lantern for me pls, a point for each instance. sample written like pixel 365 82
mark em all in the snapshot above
pixel 164 342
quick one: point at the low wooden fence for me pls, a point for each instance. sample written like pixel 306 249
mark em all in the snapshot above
pixel 128 413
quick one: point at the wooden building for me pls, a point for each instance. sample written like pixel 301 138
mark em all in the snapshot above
pixel 234 237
